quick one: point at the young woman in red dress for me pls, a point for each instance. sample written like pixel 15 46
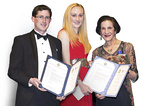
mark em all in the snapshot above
pixel 76 46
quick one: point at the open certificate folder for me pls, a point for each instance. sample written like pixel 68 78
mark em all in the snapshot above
pixel 58 77
pixel 106 77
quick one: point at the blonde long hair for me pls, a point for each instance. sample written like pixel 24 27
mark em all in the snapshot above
pixel 67 26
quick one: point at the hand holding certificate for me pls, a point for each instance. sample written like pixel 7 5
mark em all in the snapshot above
pixel 106 77
pixel 58 77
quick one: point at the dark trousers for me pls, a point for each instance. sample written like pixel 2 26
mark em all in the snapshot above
pixel 43 99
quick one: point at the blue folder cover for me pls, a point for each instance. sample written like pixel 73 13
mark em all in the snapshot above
pixel 69 69
pixel 114 74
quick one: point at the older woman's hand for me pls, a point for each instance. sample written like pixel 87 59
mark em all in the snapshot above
pixel 132 75
pixel 90 63
pixel 99 96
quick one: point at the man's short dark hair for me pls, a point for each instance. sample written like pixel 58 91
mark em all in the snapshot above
pixel 40 8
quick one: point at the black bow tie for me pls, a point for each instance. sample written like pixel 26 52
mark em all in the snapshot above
pixel 41 36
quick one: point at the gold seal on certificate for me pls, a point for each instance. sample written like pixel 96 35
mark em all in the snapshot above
pixel 58 77
pixel 105 63
pixel 58 64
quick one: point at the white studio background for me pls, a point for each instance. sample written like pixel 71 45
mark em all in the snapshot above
pixel 132 15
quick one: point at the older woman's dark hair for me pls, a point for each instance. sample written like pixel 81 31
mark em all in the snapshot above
pixel 40 8
pixel 112 19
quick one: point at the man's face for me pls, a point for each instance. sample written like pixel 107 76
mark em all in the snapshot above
pixel 41 21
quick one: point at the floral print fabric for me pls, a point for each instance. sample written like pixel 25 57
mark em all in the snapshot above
pixel 125 54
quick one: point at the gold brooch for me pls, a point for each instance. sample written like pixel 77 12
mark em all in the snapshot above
pixel 58 64
pixel 72 70
pixel 119 71
pixel 105 63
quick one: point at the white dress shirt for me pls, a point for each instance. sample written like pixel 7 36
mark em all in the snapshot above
pixel 43 49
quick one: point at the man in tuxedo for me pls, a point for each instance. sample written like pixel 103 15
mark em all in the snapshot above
pixel 27 59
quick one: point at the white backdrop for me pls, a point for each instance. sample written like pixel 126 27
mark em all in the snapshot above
pixel 132 15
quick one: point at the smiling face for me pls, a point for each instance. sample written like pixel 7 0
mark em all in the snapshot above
pixel 41 24
pixel 76 17
pixel 107 30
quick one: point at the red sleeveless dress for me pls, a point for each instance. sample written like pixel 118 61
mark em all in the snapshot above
pixel 78 52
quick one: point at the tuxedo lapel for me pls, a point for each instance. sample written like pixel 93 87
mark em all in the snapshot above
pixel 53 47
pixel 34 51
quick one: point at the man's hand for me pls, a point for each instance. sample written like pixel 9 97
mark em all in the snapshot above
pixel 36 82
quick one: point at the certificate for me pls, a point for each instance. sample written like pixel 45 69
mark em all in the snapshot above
pixel 58 77
pixel 106 77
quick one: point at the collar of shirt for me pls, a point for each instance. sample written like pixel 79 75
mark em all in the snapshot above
pixel 40 33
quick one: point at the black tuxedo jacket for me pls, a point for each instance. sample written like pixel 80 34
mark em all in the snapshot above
pixel 24 65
